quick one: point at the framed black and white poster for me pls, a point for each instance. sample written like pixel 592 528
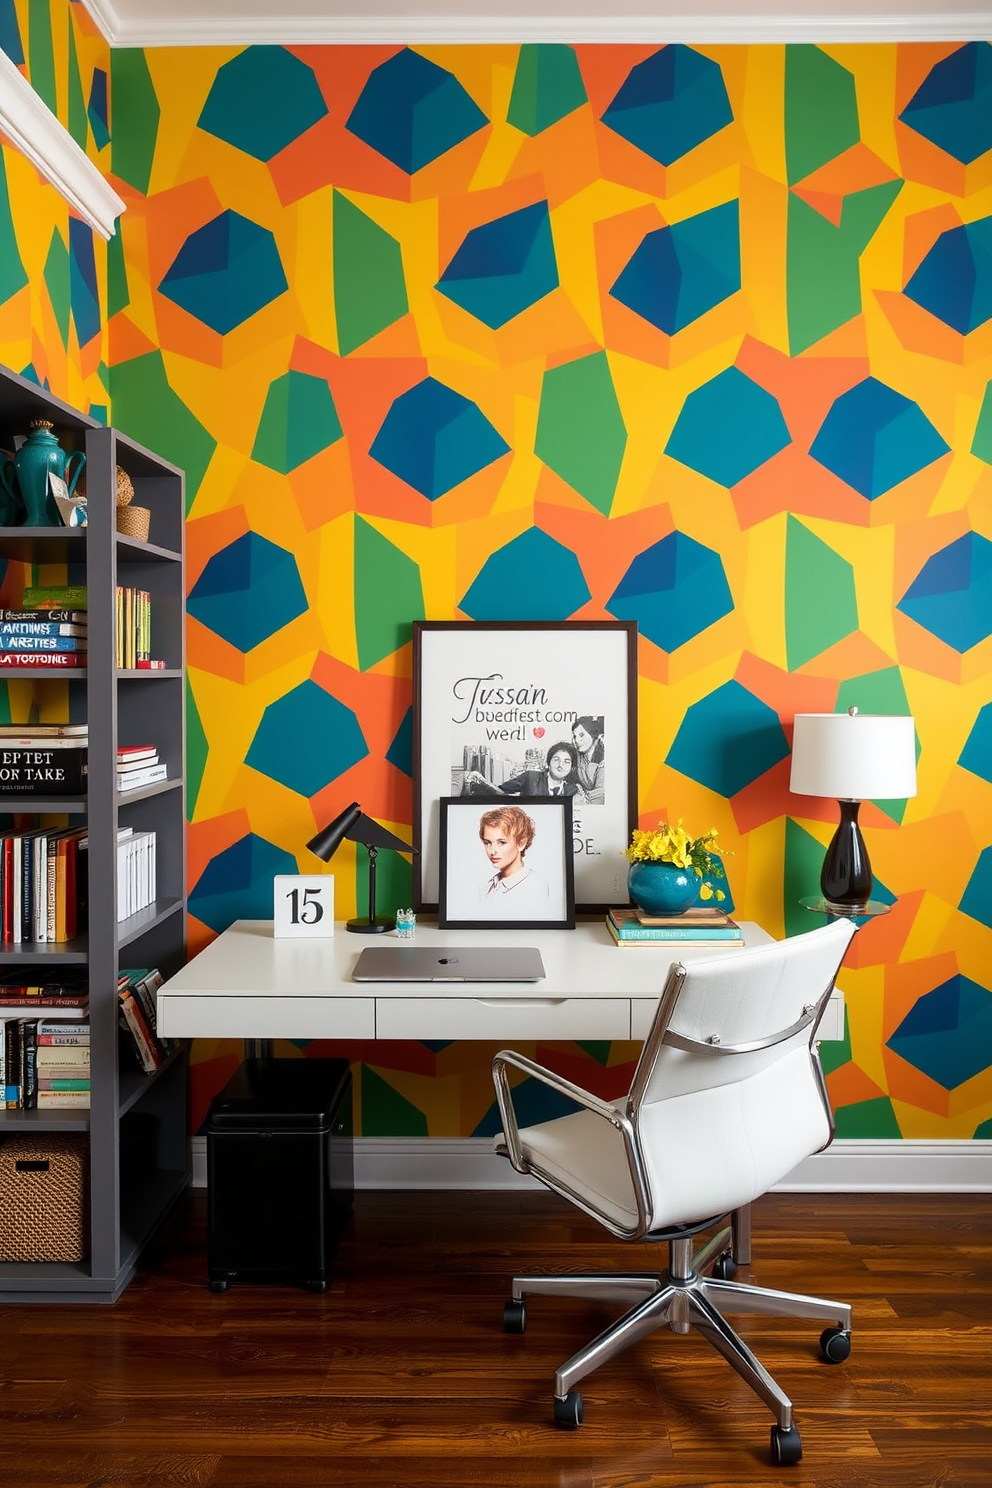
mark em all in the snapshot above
pixel 506 863
pixel 535 708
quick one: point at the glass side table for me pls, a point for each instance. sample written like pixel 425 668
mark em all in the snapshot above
pixel 869 911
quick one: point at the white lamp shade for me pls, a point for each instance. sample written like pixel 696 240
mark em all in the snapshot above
pixel 854 757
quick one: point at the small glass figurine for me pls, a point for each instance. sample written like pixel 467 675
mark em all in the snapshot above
pixel 406 924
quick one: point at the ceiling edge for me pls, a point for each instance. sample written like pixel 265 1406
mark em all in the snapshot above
pixel 29 124
pixel 441 30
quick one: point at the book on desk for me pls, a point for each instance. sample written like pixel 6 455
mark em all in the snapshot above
pixel 629 926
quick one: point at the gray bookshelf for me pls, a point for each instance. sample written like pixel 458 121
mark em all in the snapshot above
pixel 137 1124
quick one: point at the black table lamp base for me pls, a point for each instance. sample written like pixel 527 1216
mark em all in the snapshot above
pixel 845 878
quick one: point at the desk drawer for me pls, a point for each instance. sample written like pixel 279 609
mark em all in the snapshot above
pixel 267 1017
pixel 509 1018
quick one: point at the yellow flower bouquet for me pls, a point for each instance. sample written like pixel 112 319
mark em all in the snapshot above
pixel 668 844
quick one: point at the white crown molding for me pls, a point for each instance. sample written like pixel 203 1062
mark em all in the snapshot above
pixel 151 25
pixel 848 1166
pixel 29 124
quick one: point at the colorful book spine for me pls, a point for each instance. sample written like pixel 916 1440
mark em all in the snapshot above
pixel 54 597
pixel 33 643
pixel 43 617
pixel 12 660
pixel 630 928
pixel 41 629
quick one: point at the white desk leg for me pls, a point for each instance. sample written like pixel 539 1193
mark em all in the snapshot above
pixel 258 1048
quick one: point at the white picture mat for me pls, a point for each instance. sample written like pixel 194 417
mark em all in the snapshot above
pixel 469 870
pixel 552 676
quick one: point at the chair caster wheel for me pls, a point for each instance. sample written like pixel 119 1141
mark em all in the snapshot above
pixel 216 1285
pixel 835 1344
pixel 568 1411
pixel 787 1446
pixel 316 1286
pixel 514 1317
pixel 725 1267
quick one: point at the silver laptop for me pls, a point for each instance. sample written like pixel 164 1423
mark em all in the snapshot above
pixel 449 964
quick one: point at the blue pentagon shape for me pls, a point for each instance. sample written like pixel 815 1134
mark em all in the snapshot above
pixel 952 107
pixel 954 281
pixel 97 111
pixel 306 739
pixel 673 590
pixel 225 272
pixel 262 100
pixel 531 578
pixel 434 439
pixel 976 755
pixel 504 266
pixel 873 438
pixel 237 883
pixel 727 428
pixel 412 111
pixel 950 594
pixel 727 740
pixel 670 103
pixel 248 591
pixel 947 1033
pixel 976 900
pixel 677 273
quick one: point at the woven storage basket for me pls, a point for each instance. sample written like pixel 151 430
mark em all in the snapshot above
pixel 44 1198
pixel 125 488
pixel 134 521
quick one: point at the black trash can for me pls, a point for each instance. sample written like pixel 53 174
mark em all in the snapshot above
pixel 280 1172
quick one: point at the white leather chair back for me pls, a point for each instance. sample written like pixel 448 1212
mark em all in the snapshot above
pixel 723 1105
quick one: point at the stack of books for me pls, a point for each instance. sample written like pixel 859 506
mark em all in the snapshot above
pixel 138 765
pixel 43 759
pixel 133 628
pixel 43 635
pixel 42 885
pixel 699 926
pixel 51 1016
pixel 138 1016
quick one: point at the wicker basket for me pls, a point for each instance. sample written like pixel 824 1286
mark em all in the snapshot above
pixel 125 487
pixel 134 521
pixel 44 1198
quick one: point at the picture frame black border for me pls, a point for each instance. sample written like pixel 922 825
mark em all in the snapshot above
pixel 422 630
pixel 477 805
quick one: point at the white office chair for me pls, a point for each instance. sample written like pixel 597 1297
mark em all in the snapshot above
pixel 727 1097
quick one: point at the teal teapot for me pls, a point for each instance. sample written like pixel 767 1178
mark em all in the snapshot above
pixel 24 478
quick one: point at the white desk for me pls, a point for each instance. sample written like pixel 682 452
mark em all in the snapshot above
pixel 246 984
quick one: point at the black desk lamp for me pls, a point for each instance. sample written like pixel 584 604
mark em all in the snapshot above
pixel 356 827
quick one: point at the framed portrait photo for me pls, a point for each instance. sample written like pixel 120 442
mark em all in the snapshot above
pixel 528 708
pixel 506 863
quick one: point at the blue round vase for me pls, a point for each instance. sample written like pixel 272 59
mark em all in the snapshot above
pixel 661 888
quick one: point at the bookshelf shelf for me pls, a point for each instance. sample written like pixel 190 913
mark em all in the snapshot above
pixel 131 1113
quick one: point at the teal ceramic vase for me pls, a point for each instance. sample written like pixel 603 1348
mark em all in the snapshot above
pixel 662 888
pixel 25 476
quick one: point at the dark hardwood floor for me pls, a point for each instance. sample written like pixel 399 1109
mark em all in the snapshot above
pixel 400 1376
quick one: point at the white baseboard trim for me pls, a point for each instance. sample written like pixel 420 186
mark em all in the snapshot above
pixel 849 1166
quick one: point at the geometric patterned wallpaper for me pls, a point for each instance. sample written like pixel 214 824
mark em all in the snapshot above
pixel 699 337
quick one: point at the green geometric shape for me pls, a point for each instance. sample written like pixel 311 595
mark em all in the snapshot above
pixel 196 751
pixel 298 421
pixel 386 1113
pixel 801 878
pixel 820 603
pixel 135 116
pixel 78 124
pixel 981 445
pixel 835 1052
pixel 41 52
pixel 581 434
pixel 821 111
pixel 547 86
pixel 12 274
pixel 393 881
pixel 867 1118
pixel 823 281
pixel 118 294
pixel 878 692
pixel 58 284
pixel 146 408
pixel 598 1049
pixel 369 287
pixel 388 595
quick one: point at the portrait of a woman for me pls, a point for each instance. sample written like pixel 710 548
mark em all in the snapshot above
pixel 587 736
pixel 511 888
